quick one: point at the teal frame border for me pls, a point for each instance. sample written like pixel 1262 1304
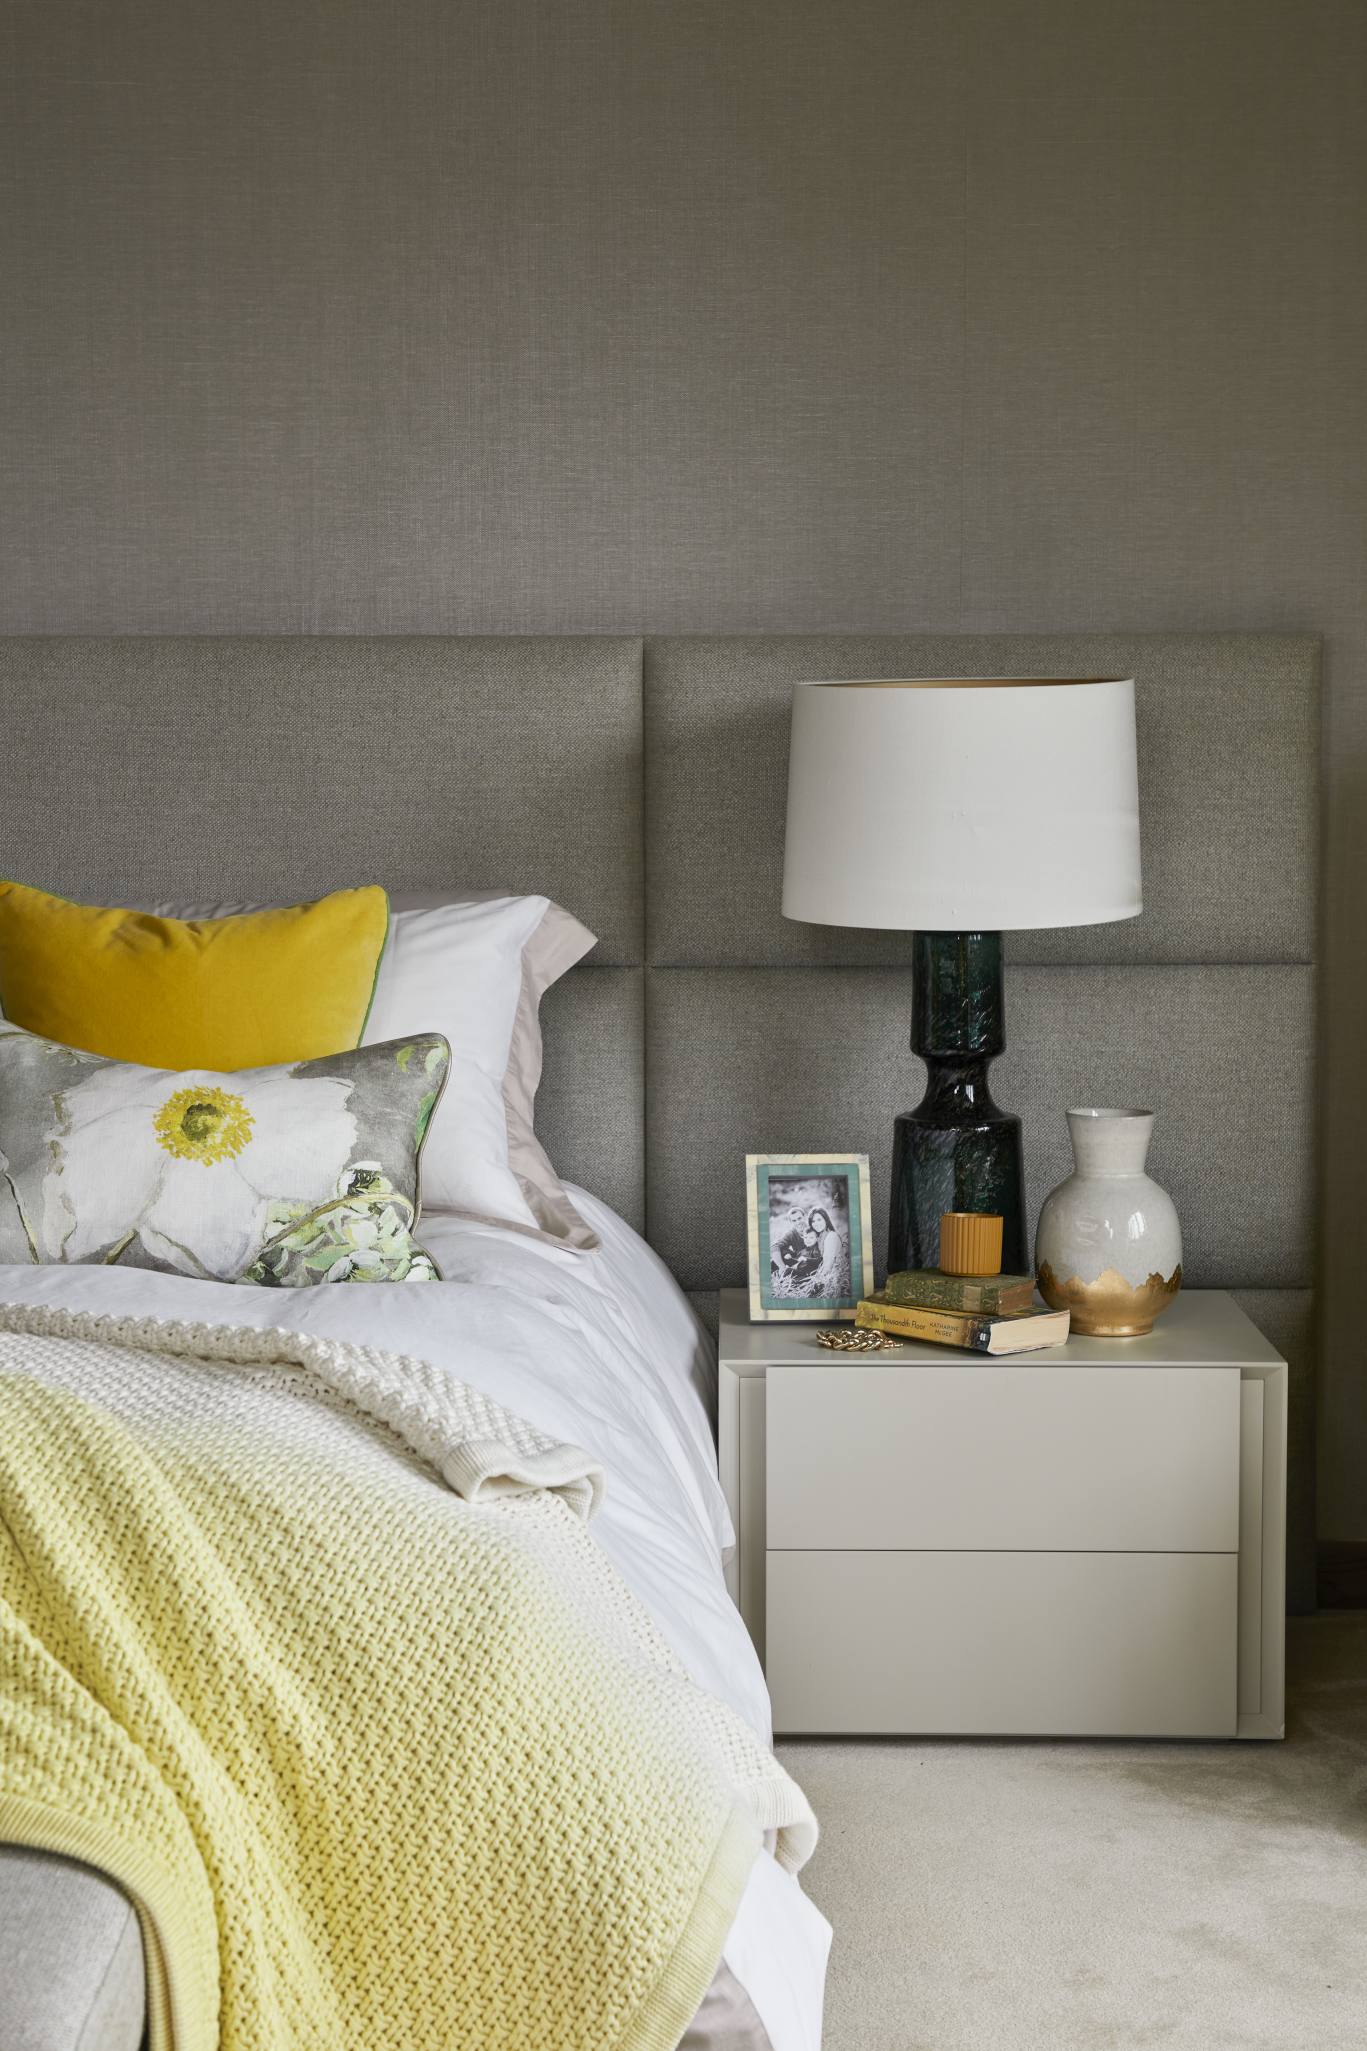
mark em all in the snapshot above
pixel 849 1171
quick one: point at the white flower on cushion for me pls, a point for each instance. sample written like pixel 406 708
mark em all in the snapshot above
pixel 189 1162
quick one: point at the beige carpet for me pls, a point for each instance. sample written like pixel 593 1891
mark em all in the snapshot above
pixel 1042 1897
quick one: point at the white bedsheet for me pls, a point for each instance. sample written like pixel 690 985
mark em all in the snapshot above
pixel 602 1349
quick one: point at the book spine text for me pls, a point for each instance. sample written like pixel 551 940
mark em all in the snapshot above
pixel 941 1327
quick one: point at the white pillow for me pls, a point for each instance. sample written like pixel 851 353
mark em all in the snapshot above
pixel 475 969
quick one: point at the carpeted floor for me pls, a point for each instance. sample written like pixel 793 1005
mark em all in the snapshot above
pixel 1043 1897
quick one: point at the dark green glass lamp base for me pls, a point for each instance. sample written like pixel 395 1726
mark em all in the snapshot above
pixel 957 1151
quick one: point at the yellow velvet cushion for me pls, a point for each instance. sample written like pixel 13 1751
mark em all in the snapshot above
pixel 243 992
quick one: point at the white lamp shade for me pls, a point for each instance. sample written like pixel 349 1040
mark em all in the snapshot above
pixel 963 805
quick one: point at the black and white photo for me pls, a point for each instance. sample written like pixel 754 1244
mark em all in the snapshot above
pixel 809 1232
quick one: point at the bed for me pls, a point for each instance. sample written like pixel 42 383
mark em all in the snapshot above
pixel 634 782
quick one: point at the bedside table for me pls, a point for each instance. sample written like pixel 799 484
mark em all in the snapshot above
pixel 1083 1542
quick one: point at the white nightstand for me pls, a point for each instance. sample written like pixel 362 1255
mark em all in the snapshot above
pixel 1084 1542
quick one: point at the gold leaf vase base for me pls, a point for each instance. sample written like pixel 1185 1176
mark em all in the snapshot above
pixel 1110 1307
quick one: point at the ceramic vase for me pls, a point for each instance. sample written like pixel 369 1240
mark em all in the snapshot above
pixel 1109 1247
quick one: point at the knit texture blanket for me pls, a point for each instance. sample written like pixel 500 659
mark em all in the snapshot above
pixel 310 1649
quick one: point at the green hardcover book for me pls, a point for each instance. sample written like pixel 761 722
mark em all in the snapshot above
pixel 988 1295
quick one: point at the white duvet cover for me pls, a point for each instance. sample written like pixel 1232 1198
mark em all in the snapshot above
pixel 601 1349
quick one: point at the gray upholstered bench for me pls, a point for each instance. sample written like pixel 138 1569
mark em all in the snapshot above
pixel 71 1975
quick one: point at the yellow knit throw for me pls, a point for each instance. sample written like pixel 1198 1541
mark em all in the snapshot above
pixel 378 1766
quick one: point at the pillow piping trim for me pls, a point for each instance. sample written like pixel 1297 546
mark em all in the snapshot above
pixel 379 964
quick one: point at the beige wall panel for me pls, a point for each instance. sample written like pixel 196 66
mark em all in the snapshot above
pixel 453 317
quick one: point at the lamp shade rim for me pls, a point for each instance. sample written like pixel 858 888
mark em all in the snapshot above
pixel 977 923
pixel 953 683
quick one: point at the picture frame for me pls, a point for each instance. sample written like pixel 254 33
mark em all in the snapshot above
pixel 810 1236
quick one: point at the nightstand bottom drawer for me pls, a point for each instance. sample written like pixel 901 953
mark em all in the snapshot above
pixel 995 1644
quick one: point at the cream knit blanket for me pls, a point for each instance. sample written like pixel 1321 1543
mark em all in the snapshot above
pixel 308 1646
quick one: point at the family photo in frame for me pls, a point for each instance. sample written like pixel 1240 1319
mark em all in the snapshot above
pixel 810 1235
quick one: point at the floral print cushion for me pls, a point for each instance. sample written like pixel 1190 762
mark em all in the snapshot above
pixel 284 1176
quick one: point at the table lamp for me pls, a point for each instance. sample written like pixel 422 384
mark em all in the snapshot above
pixel 957 808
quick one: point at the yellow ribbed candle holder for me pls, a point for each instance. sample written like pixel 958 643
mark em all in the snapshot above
pixel 970 1243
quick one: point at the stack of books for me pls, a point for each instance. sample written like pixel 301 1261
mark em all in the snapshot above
pixel 984 1313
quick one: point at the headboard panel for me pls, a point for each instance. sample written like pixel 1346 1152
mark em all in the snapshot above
pixel 641 783
pixel 1228 773
pixel 197 768
pixel 811 1060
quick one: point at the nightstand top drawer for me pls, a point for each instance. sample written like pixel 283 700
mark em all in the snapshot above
pixel 1018 1456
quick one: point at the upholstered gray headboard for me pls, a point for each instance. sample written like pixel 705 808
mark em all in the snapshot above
pixel 642 784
